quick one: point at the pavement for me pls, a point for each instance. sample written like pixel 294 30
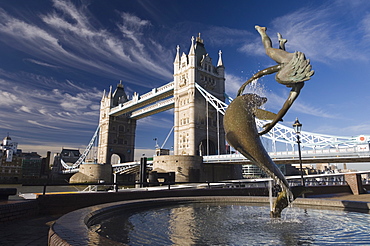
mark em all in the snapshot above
pixel 34 231
pixel 345 197
pixel 31 231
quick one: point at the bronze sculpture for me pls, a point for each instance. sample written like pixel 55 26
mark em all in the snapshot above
pixel 239 121
pixel 292 70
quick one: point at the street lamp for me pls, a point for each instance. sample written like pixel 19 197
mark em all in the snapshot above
pixel 297 126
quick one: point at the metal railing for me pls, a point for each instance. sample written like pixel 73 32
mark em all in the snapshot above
pixel 144 186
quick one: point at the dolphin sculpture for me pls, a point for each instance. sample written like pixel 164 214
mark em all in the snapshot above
pixel 292 70
pixel 241 133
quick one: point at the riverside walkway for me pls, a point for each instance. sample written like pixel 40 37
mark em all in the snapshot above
pixel 33 231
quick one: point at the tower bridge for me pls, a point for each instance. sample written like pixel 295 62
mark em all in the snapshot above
pixel 197 95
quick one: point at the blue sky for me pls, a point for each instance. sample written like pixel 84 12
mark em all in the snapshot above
pixel 57 57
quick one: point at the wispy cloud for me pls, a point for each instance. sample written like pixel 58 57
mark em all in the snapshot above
pixel 252 48
pixel 55 107
pixel 335 130
pixel 8 99
pixel 232 84
pixel 365 27
pixel 42 125
pixel 226 36
pixel 69 39
pixel 41 63
pixel 321 32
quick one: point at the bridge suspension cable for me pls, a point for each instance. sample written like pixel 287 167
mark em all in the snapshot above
pixel 284 134
pixel 84 154
pixel 219 105
pixel 165 141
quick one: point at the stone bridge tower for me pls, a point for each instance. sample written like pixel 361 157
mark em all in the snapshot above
pixel 117 133
pixel 198 128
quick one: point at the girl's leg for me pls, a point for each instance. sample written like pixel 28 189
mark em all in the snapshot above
pixel 278 55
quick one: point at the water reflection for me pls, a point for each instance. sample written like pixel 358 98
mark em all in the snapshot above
pixel 225 224
pixel 182 220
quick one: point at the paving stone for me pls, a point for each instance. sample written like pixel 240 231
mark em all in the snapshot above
pixel 32 231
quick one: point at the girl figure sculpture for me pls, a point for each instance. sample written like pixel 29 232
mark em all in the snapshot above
pixel 292 70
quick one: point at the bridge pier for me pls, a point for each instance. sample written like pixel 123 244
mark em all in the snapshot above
pixel 92 173
pixel 187 168
pixel 355 183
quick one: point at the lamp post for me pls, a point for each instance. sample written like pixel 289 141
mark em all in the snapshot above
pixel 297 126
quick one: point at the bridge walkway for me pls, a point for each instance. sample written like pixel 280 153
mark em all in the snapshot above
pixel 137 102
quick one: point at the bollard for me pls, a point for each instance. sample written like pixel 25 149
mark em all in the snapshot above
pixel 143 178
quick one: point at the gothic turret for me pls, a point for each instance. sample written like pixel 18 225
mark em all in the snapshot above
pixel 176 63
pixel 220 65
pixel 7 141
pixel 191 112
pixel 117 133
pixel 119 95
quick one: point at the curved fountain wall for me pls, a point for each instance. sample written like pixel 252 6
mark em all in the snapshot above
pixel 75 228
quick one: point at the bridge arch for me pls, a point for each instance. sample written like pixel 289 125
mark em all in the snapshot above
pixel 116 159
pixel 206 147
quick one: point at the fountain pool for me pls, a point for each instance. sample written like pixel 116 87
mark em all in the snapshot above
pixel 213 221
pixel 236 224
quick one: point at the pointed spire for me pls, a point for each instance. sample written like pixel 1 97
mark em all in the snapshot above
pixel 199 40
pixel 177 58
pixel 103 94
pixel 192 48
pixel 220 63
pixel 110 92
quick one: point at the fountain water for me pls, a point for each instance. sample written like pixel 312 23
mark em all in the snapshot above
pixel 236 224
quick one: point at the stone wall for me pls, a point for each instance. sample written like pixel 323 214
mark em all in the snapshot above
pixel 187 168
pixel 16 210
pixel 93 173
pixel 355 183
pixel 190 168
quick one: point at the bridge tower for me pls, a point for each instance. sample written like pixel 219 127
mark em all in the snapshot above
pixel 198 128
pixel 117 133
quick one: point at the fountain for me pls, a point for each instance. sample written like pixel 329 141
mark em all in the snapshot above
pixel 234 220
pixel 239 121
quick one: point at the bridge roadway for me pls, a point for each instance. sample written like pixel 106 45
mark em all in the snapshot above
pixel 344 155
pixel 238 159
pixel 153 97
